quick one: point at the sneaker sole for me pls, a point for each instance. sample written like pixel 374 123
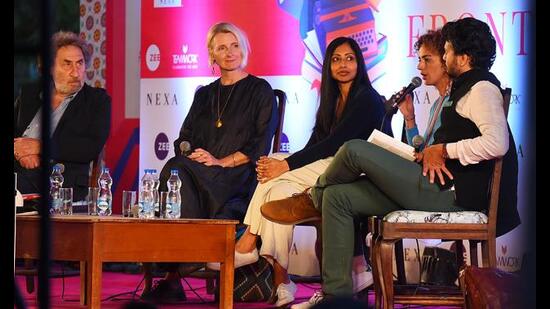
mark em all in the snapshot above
pixel 316 218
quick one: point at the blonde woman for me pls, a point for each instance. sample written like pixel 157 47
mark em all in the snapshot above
pixel 229 126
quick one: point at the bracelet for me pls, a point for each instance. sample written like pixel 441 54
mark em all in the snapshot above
pixel 410 118
pixel 445 154
pixel 233 156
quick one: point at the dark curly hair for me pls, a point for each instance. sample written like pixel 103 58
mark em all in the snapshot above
pixel 471 37
pixel 433 39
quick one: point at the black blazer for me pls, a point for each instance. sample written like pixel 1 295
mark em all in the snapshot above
pixel 79 136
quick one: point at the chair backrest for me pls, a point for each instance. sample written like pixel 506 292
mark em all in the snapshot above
pixel 95 168
pixel 497 173
pixel 281 104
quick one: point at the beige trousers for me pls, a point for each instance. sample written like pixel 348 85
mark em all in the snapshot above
pixel 277 238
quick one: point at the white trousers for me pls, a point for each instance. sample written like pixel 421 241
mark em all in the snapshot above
pixel 277 238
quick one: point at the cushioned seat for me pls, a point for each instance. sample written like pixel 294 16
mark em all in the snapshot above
pixel 414 216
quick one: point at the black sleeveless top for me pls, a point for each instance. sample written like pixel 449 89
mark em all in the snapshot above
pixel 472 182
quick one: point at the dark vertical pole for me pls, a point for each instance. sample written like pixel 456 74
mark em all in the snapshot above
pixel 44 261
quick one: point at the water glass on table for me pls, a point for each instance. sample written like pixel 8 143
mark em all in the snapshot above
pixel 66 195
pixel 129 203
pixel 93 194
pixel 162 204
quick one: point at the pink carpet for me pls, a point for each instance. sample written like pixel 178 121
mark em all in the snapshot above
pixel 117 290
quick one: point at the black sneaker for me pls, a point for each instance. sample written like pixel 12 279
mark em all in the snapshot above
pixel 165 291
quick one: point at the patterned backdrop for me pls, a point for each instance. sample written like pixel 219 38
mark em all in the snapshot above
pixel 92 30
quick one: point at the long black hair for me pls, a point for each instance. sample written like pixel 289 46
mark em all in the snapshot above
pixel 326 113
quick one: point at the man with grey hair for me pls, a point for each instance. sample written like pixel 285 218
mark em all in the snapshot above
pixel 80 120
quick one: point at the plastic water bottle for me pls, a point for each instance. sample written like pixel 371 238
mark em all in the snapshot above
pixel 156 184
pixel 173 203
pixel 146 198
pixel 56 182
pixel 105 199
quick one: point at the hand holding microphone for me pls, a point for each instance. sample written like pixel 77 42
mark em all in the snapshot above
pixel 185 148
pixel 407 110
pixel 398 97
pixel 417 143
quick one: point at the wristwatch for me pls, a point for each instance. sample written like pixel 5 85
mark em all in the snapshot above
pixel 445 154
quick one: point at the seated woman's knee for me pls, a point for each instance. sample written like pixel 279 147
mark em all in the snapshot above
pixel 282 190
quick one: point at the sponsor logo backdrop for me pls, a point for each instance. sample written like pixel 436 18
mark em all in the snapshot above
pixel 288 39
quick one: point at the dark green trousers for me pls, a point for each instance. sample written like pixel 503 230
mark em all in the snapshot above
pixel 366 180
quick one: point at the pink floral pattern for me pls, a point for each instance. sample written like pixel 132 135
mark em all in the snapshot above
pixel 93 31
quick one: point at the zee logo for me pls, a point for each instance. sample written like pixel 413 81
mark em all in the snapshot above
pixel 285 144
pixel 162 146
pixel 152 57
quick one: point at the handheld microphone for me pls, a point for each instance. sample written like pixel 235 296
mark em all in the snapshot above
pixel 185 148
pixel 417 141
pixel 397 98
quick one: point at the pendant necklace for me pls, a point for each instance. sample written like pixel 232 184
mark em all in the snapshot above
pixel 219 122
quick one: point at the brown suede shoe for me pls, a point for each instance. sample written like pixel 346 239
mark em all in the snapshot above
pixel 296 209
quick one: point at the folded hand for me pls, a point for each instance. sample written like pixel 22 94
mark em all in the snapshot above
pixel 30 161
pixel 269 168
pixel 202 156
pixel 24 146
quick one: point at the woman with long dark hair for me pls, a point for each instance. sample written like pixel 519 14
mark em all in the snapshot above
pixel 349 108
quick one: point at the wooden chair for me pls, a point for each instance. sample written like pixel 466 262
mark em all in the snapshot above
pixel 281 104
pixel 387 233
pixel 95 168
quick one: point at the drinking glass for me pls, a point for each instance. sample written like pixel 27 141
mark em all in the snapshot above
pixel 128 202
pixel 66 195
pixel 93 194
pixel 162 204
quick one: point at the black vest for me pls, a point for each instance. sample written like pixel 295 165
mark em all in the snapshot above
pixel 472 182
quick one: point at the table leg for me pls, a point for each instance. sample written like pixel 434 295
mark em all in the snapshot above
pixel 83 280
pixel 227 270
pixel 226 283
pixel 93 291
pixel 148 277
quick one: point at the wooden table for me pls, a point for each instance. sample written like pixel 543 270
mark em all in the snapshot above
pixel 93 240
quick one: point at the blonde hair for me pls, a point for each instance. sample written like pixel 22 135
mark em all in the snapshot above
pixel 225 27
